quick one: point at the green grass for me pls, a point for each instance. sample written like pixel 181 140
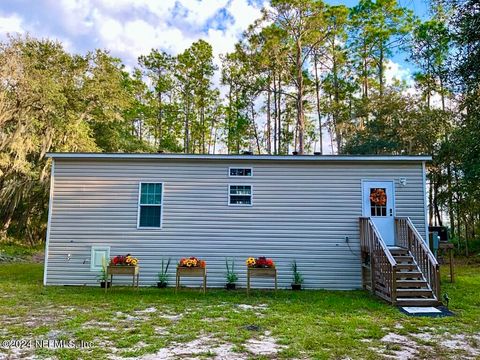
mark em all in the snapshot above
pixel 17 250
pixel 307 324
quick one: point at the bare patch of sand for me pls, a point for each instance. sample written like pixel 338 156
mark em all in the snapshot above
pixel 211 347
pixel 402 347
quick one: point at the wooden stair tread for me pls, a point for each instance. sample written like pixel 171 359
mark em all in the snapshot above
pixel 410 293
pixel 417 302
pixel 407 266
pixel 409 275
pixel 403 258
pixel 401 284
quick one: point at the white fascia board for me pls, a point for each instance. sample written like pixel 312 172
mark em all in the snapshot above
pixel 320 158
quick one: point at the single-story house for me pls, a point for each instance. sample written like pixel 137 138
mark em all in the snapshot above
pixel 296 207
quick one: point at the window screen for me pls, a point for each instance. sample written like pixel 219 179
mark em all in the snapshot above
pixel 240 195
pixel 240 171
pixel 150 205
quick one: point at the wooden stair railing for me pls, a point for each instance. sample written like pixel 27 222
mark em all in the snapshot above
pixel 383 267
pixel 408 237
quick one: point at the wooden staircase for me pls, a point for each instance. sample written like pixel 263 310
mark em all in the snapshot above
pixel 406 274
pixel 412 288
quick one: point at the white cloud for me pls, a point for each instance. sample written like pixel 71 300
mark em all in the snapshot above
pixel 395 72
pixel 74 15
pixel 11 24
pixel 199 11
pixel 130 28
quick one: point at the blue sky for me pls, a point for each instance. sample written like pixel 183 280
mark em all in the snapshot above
pixel 129 28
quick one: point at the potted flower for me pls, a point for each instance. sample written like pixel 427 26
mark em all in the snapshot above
pixel 121 260
pixel 162 275
pixel 297 277
pixel 191 262
pixel 260 262
pixel 103 277
pixel 231 276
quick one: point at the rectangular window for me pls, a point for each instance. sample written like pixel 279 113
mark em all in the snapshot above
pixel 99 256
pixel 240 195
pixel 150 201
pixel 378 202
pixel 240 172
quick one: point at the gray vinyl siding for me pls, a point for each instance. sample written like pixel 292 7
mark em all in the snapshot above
pixel 300 211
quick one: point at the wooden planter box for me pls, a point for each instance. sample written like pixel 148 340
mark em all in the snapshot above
pixel 191 272
pixel 124 270
pixel 253 272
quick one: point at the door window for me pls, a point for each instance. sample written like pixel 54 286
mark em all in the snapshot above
pixel 378 202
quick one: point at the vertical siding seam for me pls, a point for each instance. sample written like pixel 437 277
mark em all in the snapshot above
pixel 49 221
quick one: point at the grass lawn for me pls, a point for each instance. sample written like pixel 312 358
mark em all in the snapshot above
pixel 157 324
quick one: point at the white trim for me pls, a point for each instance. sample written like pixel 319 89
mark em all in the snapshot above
pixel 243 168
pixel 320 158
pixel 425 202
pixel 251 195
pixel 49 221
pixel 138 205
pixel 95 248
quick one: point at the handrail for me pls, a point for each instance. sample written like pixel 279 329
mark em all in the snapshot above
pixel 409 237
pixel 387 252
pixel 383 266
pixel 423 244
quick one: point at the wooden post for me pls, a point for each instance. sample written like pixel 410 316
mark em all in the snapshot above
pixel 394 285
pixel 127 270
pixel 191 272
pixel 261 273
pixel 452 267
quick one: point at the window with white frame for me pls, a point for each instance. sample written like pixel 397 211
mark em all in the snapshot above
pixel 150 205
pixel 235 171
pixel 240 195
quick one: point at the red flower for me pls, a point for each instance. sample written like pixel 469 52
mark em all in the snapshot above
pixel 261 261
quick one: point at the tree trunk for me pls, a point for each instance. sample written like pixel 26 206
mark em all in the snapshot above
pixel 202 122
pixel 255 132
pixel 467 253
pixel 300 118
pixel 275 117
pixel 159 122
pixel 438 216
pixel 430 200
pixel 187 128
pixel 269 123
pixel 317 91
pixel 451 213
pixel 380 70
pixel 279 109
pixel 229 121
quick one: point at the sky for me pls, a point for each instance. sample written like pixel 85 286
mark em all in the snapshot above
pixel 129 28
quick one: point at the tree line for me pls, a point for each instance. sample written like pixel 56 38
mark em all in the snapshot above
pixel 305 77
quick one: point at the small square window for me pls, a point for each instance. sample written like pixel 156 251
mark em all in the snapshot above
pixel 240 195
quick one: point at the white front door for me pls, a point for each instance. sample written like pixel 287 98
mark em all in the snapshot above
pixel 379 205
